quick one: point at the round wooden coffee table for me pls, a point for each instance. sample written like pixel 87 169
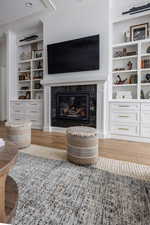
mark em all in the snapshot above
pixel 8 187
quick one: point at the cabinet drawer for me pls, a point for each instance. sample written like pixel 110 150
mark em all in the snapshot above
pixel 35 118
pixel 34 111
pixel 145 107
pixel 19 117
pixel 132 117
pixel 18 108
pixel 145 131
pixel 125 107
pixel 125 129
pixel 34 106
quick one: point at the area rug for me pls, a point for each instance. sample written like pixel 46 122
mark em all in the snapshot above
pixel 111 165
pixel 55 192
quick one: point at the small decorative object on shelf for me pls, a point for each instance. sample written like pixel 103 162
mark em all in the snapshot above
pixel 142 94
pixel 148 50
pixel 148 77
pixel 25 88
pixel 28 95
pixel 24 76
pixel 129 65
pixel 22 97
pixel 120 81
pixel 37 86
pixel 37 53
pixel 133 79
pixel 138 9
pixel 124 95
pixel 139 32
pixel 145 63
pixel 148 95
pixel 119 69
pixel 38 96
pixel 124 53
pixel 25 56
pixel 39 65
pixel 127 36
pixel 29 38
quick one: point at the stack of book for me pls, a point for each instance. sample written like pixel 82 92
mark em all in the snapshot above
pixel 2 142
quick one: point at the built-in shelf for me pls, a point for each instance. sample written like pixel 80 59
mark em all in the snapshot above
pixel 145 69
pixel 123 18
pixel 124 71
pixel 37 79
pixel 37 89
pixel 23 81
pixel 124 85
pixel 23 90
pixel 145 55
pixel 37 59
pixel 31 60
pixel 125 57
pixel 34 70
pixel 145 84
pixel 125 44
pixel 29 42
pixel 139 47
pixel 24 71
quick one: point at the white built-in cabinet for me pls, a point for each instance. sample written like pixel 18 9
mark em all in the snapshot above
pixel 26 103
pixel 130 119
pixel 27 111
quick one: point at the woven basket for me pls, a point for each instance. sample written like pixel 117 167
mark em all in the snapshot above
pixel 82 145
pixel 19 133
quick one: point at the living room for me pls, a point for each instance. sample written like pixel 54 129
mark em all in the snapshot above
pixel 75 110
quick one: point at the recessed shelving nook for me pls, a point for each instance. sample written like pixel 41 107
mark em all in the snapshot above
pixel 27 101
pixel 129 79
pixel 130 63
pixel 30 69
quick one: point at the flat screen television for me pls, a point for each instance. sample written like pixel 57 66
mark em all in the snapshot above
pixel 74 56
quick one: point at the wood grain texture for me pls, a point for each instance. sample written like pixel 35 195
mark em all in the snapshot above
pixel 115 149
pixel 8 187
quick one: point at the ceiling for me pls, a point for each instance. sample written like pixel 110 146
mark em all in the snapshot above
pixel 11 10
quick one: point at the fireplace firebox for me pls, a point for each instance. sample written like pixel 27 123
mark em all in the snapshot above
pixel 73 105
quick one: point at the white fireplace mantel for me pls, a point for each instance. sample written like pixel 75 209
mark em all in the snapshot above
pixel 67 80
pixel 56 79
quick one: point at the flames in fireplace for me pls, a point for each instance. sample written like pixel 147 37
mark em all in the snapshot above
pixel 72 106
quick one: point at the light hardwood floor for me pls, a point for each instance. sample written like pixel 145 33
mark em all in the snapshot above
pixel 115 149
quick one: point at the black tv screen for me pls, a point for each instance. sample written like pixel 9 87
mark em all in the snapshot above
pixel 74 56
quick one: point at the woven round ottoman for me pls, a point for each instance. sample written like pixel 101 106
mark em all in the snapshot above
pixel 82 145
pixel 19 133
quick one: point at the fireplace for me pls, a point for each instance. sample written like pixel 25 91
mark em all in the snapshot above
pixel 73 105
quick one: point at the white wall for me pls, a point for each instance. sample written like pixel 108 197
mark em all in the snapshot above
pixel 75 19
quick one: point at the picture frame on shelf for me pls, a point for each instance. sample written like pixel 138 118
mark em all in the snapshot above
pixel 124 95
pixel 139 32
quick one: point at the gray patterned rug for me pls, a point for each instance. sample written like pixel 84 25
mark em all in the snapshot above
pixel 56 192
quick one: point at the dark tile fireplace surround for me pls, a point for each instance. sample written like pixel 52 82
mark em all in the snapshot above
pixel 73 105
